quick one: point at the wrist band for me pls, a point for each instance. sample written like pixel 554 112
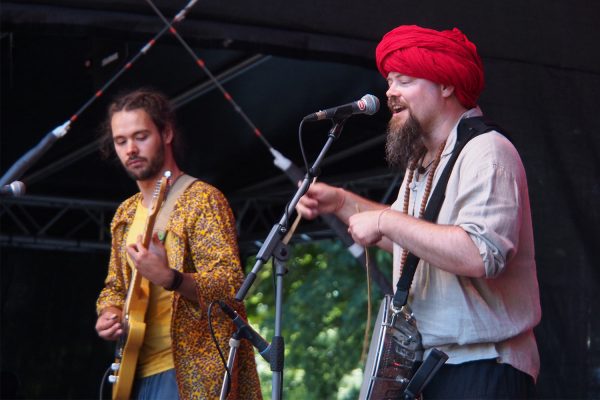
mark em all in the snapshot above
pixel 379 219
pixel 340 204
pixel 176 282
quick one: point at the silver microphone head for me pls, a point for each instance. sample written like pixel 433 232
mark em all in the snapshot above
pixel 371 104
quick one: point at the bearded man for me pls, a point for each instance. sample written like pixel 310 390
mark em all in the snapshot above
pixel 191 262
pixel 475 293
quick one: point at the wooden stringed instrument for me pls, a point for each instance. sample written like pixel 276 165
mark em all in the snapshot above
pixel 134 312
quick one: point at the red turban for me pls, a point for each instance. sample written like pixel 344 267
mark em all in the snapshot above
pixel 445 57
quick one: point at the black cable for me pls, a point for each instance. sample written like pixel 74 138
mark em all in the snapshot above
pixel 302 145
pixel 216 342
pixel 104 377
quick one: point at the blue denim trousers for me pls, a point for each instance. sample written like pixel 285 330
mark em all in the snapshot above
pixel 161 386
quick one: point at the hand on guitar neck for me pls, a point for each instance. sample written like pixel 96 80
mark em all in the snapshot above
pixel 150 260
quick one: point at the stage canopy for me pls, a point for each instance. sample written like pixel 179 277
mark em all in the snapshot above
pixel 243 74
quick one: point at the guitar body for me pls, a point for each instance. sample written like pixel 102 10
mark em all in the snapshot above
pixel 134 313
pixel 128 348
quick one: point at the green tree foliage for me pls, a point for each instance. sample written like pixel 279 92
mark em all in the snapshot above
pixel 323 320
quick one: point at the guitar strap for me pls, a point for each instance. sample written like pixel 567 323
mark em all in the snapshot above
pixel 467 129
pixel 162 219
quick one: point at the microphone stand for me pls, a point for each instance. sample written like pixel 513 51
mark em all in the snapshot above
pixel 335 224
pixel 29 158
pixel 244 331
pixel 277 344
pixel 234 344
pixel 273 244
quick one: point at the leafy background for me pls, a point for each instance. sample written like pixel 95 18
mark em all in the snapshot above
pixel 323 319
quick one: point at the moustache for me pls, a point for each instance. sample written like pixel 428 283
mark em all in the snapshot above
pixel 395 105
pixel 134 159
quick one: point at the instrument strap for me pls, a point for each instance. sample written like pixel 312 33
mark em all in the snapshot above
pixel 467 129
pixel 165 212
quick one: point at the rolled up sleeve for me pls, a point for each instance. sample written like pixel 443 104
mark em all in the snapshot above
pixel 489 207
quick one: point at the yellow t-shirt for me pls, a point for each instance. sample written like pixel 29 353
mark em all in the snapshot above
pixel 155 355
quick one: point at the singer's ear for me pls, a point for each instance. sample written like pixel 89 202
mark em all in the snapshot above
pixel 447 90
pixel 168 134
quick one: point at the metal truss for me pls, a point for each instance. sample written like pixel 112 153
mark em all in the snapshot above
pixel 66 224
pixel 54 223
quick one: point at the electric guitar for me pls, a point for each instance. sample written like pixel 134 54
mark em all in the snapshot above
pixel 134 312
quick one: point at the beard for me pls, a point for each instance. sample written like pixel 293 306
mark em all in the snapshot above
pixel 153 168
pixel 404 143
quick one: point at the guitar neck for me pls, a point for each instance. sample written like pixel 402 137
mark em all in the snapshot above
pixel 147 235
pixel 160 192
pixel 157 200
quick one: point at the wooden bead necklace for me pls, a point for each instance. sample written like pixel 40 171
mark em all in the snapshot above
pixel 411 174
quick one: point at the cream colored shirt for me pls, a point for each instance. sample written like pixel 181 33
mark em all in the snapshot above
pixel 493 317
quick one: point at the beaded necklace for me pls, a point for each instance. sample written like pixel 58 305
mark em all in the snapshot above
pixel 411 174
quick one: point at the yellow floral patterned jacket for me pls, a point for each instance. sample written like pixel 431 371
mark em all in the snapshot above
pixel 205 243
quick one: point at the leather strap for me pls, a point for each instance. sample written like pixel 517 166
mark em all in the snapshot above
pixel 174 192
pixel 467 129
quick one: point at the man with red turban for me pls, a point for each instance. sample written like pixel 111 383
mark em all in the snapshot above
pixel 474 293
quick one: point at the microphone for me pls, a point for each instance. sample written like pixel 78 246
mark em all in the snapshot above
pixel 263 347
pixel 15 189
pixel 368 104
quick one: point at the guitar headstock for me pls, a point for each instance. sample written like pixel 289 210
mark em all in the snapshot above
pixel 160 192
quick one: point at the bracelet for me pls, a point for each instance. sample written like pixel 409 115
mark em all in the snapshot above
pixel 379 219
pixel 339 206
pixel 177 280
